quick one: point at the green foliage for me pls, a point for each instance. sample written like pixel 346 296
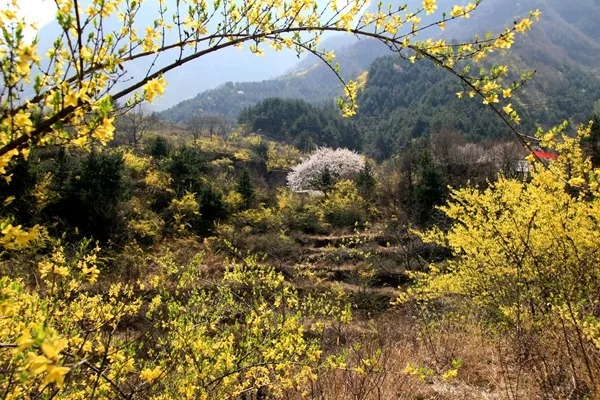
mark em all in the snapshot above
pixel 187 164
pixel 188 167
pixel 343 207
pixel 299 123
pixel 412 185
pixel 158 147
pixel 429 190
pixel 365 181
pixel 16 196
pixel 324 181
pixel 118 196
pixel 89 191
pixel 402 101
pixel 246 189
pixel 226 100
pixel 261 148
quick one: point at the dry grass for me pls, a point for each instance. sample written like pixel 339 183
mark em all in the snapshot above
pixel 493 367
pixel 543 364
pixel 402 343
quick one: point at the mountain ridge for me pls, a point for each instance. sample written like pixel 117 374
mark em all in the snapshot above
pixel 555 47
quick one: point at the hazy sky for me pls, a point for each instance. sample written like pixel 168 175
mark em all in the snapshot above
pixel 39 11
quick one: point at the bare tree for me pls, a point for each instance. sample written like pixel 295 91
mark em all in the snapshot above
pixel 210 124
pixel 444 144
pixel 508 158
pixel 132 124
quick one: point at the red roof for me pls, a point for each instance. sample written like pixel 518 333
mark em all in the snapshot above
pixel 544 155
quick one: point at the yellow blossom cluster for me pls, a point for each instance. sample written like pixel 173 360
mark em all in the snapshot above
pixel 16 237
pixel 69 340
pixel 430 6
pixel 526 250
pixel 154 88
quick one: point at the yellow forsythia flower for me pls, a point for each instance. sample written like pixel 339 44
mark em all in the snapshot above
pixel 56 375
pixel 430 6
pixel 149 375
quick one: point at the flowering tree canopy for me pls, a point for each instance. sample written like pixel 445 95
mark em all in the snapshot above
pixel 323 168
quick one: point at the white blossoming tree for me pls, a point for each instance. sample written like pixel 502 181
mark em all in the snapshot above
pixel 323 168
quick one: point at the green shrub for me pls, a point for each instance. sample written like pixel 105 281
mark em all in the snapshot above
pixel 158 147
pixel 297 212
pixel 91 193
pixel 259 220
pixel 343 207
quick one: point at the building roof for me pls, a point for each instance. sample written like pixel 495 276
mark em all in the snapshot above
pixel 543 155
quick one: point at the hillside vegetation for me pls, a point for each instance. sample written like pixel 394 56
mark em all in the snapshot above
pixel 353 249
pixel 432 244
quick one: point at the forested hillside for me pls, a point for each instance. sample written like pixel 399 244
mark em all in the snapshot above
pixel 402 101
pixel 301 124
pixel 399 101
pixel 562 49
pixel 309 81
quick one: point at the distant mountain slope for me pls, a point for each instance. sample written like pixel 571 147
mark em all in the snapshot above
pixel 562 47
pixel 313 82
pixel 402 101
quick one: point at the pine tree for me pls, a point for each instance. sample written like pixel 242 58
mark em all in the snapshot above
pixel 245 188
